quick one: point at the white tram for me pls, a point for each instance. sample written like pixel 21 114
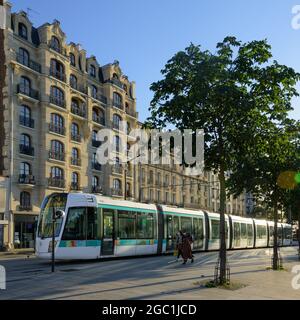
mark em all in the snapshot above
pixel 94 227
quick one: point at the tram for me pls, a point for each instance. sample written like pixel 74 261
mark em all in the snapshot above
pixel 94 227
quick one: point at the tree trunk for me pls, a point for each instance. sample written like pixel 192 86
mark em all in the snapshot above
pixel 222 253
pixel 275 247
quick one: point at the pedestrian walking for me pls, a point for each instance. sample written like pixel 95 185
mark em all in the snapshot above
pixel 186 249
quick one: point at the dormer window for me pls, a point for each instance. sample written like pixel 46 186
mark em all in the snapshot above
pixel 72 60
pixel 92 71
pixel 23 31
pixel 55 45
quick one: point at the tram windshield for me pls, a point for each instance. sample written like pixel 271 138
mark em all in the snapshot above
pixel 51 204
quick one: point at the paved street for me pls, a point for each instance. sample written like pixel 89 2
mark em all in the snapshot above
pixel 150 278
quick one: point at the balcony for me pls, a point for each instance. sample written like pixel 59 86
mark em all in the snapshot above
pixel 99 120
pixel 56 155
pixel 26 122
pixel 97 189
pixel 96 143
pixel 56 183
pixel 28 150
pixel 81 88
pixel 27 91
pixel 58 75
pixel 57 101
pixel 118 105
pixel 117 169
pixel 29 63
pixel 79 111
pixel 25 207
pixel 57 129
pixel 75 186
pixel 96 166
pixel 116 192
pixel 76 137
pixel 26 179
pixel 75 162
pixel 59 49
pixel 102 98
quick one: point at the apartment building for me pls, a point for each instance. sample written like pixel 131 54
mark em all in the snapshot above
pixel 56 99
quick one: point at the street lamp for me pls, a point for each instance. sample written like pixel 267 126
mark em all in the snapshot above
pixel 55 216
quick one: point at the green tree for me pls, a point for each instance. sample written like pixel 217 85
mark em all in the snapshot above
pixel 266 169
pixel 228 94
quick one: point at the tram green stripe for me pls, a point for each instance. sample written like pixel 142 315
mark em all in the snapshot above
pixel 108 206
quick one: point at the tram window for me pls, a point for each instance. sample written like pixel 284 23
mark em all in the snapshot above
pixel 250 231
pixel 76 225
pixel 127 224
pixel 261 232
pixel 176 225
pixel 198 229
pixel 93 225
pixel 237 230
pixel 186 225
pixel 145 226
pixel 215 229
pixel 243 231
pixel 287 233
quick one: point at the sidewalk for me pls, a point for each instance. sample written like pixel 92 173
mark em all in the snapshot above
pixel 15 252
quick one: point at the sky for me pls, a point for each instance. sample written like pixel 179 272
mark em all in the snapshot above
pixel 143 35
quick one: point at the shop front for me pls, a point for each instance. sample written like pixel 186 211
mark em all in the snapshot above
pixel 25 229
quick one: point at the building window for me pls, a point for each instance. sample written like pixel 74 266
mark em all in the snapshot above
pixel 57 120
pixel 75 132
pixel 55 44
pixel 23 57
pixel 25 201
pixel 94 92
pixel 23 31
pixel 75 178
pixel 25 140
pixel 57 96
pixel 72 60
pixel 25 117
pixel 116 121
pixel 25 85
pixel 117 143
pixel 128 189
pixel 117 184
pixel 57 150
pixel 92 71
pixel 73 81
pixel 57 146
pixel 95 182
pixel 98 116
pixel 117 100
pixel 57 173
pixel 75 153
pixel 25 169
pixel 57 70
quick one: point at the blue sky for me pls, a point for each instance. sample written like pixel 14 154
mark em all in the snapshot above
pixel 143 35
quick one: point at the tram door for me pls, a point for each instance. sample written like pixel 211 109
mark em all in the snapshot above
pixel 107 248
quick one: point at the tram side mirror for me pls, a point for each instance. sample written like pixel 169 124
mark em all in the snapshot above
pixel 59 214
